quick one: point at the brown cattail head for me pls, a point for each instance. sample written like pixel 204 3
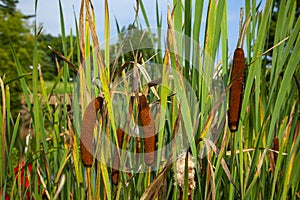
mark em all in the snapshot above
pixel 116 162
pixel 87 130
pixel 236 90
pixel 276 148
pixel 147 123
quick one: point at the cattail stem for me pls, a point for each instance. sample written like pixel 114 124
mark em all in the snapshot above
pixel 88 183
pixel 116 162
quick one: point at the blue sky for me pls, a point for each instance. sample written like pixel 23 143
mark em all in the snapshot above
pixel 122 10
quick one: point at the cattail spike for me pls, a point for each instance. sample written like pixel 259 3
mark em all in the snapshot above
pixel 87 130
pixel 147 123
pixel 236 90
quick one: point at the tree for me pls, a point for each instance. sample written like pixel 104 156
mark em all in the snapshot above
pixel 134 41
pixel 15 31
pixel 47 58
pixel 274 19
pixel 9 6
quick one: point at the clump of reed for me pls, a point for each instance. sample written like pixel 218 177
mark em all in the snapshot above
pixel 238 166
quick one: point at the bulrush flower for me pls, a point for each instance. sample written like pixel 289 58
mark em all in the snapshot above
pixel 236 90
pixel 147 123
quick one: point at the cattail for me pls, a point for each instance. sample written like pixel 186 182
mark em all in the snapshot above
pixel 147 123
pixel 180 168
pixel 276 148
pixel 87 130
pixel 116 162
pixel 236 90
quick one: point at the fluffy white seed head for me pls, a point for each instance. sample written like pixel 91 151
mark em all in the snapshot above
pixel 179 172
